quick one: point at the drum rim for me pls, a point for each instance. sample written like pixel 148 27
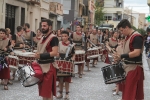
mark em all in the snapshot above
pixel 32 84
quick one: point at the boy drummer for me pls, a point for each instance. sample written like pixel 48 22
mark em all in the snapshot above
pixel 63 46
pixel 4 68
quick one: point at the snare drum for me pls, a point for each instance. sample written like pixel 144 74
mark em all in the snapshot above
pixel 66 68
pixel 79 56
pixel 24 57
pixel 92 53
pixel 113 73
pixel 30 75
pixel 13 62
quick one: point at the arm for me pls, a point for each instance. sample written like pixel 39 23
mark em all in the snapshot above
pixel 137 45
pixel 54 51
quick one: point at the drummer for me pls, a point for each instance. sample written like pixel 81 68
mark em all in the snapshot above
pixel 47 48
pixel 4 47
pixel 17 39
pixel 113 41
pixel 38 36
pixel 132 57
pixel 59 35
pixel 77 38
pixel 28 34
pixel 63 45
pixel 93 38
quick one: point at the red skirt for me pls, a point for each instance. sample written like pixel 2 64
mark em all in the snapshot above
pixel 133 88
pixel 65 79
pixel 5 73
pixel 48 84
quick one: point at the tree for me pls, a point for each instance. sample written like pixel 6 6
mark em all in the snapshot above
pixel 99 13
pixel 141 31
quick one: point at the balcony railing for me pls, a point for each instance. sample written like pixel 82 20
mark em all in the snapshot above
pixel 32 1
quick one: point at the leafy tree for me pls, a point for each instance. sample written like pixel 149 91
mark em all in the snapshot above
pixel 141 31
pixel 99 13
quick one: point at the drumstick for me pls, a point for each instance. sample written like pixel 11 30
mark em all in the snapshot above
pixel 91 43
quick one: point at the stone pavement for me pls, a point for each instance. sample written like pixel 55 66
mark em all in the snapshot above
pixel 90 87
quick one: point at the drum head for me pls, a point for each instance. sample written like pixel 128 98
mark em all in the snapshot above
pixel 26 75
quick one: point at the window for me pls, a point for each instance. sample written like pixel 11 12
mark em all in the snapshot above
pixel 22 16
pixel 109 17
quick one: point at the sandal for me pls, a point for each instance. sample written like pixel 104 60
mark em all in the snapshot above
pixel 115 93
pixel 80 75
pixel 10 82
pixel 67 96
pixel 60 96
pixel 5 87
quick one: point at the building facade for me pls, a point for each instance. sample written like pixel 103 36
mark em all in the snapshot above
pixel 113 11
pixel 15 13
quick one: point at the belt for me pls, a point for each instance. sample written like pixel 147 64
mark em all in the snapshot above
pixel 45 61
pixel 133 62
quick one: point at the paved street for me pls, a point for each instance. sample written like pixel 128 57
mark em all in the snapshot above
pixel 90 87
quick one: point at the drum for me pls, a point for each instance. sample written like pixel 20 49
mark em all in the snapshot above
pixel 79 56
pixel 66 68
pixel 30 75
pixel 92 53
pixel 3 61
pixel 13 62
pixel 100 50
pixel 24 57
pixel 113 73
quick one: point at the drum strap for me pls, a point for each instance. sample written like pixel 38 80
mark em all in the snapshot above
pixel 69 49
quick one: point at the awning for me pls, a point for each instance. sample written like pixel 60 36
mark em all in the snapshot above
pixel 52 14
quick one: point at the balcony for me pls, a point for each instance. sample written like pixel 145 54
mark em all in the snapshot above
pixel 56 8
pixel 31 1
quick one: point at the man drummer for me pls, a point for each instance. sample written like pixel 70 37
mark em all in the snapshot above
pixel 17 40
pixel 132 57
pixel 63 46
pixel 47 48
pixel 4 48
pixel 29 35
pixel 94 39
pixel 78 39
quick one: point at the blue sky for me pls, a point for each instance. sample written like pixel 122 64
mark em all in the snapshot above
pixel 132 4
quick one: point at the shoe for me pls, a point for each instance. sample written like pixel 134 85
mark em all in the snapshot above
pixel 115 93
pixel 5 87
pixel 60 95
pixel 80 75
pixel 67 96
pixel 10 82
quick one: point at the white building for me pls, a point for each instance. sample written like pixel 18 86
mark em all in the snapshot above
pixel 136 19
pixel 113 10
